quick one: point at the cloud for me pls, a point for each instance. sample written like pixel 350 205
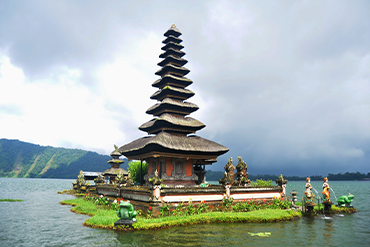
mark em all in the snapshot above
pixel 284 85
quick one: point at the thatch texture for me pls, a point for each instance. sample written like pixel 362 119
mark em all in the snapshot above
pixel 172 39
pixel 170 122
pixel 173 52
pixel 172 70
pixel 172 31
pixel 172 45
pixel 173 60
pixel 168 144
pixel 168 80
pixel 169 105
pixel 115 171
pixel 172 92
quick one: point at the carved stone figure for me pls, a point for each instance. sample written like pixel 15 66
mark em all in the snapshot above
pixel 99 179
pixel 241 174
pixel 156 180
pixel 230 169
pixel 229 173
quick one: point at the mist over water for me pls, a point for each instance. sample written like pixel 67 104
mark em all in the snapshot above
pixel 40 220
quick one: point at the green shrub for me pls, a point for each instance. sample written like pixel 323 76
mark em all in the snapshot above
pixel 165 210
pixel 134 168
pixel 261 182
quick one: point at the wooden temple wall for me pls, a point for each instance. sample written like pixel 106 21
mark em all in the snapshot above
pixel 169 166
pixel 189 167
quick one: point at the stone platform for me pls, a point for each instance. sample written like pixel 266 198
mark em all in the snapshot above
pixel 143 197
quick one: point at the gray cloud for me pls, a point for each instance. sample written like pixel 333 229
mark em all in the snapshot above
pixel 283 84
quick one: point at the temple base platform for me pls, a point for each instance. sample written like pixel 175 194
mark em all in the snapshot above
pixel 143 197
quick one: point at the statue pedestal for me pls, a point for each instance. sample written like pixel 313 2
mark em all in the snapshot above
pixel 309 208
pixel 327 207
pixel 124 222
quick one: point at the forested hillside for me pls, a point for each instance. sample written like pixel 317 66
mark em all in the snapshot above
pixel 216 175
pixel 22 159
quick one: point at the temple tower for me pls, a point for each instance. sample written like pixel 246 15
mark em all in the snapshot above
pixel 171 149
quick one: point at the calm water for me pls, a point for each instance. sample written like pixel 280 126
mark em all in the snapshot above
pixel 41 221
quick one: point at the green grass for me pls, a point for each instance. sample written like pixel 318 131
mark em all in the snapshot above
pixel 11 200
pixel 102 217
pixel 258 216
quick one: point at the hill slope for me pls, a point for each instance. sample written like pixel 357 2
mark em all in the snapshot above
pixel 22 159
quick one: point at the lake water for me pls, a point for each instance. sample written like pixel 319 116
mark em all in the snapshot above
pixel 40 220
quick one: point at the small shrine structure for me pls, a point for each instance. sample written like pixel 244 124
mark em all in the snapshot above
pixel 111 174
pixel 171 148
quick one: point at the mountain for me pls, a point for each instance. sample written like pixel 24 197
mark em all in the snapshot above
pixel 27 160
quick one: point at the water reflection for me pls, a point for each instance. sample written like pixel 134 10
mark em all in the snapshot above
pixel 328 229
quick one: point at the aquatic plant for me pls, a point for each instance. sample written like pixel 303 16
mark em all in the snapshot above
pixel 11 200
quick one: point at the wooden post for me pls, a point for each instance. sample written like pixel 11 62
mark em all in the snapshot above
pixel 141 171
pixel 160 168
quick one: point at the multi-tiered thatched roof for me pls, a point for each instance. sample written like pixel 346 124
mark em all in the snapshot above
pixel 171 126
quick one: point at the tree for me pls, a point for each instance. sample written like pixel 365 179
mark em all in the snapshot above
pixel 134 168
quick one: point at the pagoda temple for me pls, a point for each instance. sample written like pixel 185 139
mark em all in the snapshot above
pixel 171 148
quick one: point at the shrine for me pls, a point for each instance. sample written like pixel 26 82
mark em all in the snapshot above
pixel 171 148
pixel 176 157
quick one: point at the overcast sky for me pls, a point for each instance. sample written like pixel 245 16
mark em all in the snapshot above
pixel 284 84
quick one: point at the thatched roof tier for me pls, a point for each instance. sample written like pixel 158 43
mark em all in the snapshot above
pixel 172 39
pixel 171 80
pixel 116 161
pixel 169 145
pixel 115 153
pixel 171 69
pixel 172 31
pixel 172 45
pixel 115 171
pixel 173 60
pixel 172 123
pixel 172 92
pixel 169 105
pixel 173 52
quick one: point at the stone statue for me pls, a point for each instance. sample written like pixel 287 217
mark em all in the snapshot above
pixel 282 183
pixel 156 180
pixel 99 179
pixel 230 169
pixel 120 179
pixel 228 178
pixel 129 180
pixel 81 179
pixel 241 174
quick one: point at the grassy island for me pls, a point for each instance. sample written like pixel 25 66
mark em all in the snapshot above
pixel 104 217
